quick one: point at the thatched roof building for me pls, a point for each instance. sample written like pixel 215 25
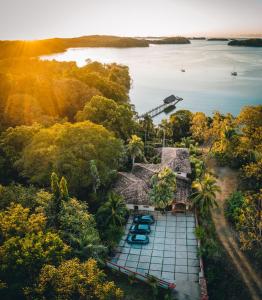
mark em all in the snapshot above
pixel 135 186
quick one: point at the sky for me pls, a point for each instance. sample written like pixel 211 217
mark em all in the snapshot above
pixel 37 19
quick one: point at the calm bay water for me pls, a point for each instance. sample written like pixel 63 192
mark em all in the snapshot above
pixel 207 84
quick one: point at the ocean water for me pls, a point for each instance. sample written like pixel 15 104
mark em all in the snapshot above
pixel 207 84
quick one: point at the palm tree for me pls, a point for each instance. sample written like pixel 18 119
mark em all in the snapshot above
pixel 148 126
pixel 165 131
pixel 135 148
pixel 113 211
pixel 204 195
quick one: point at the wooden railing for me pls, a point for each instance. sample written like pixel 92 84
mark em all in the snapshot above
pixel 146 278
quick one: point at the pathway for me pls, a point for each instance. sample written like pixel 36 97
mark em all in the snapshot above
pixel 228 182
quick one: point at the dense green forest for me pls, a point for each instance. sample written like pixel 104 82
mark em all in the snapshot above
pixel 65 131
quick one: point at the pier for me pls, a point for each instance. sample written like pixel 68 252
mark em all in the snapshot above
pixel 169 104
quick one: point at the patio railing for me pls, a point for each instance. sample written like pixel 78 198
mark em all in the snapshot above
pixel 146 278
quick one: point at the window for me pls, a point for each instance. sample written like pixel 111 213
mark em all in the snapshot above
pixel 135 207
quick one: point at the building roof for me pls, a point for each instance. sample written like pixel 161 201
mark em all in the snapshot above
pixel 134 190
pixel 177 159
pixel 135 187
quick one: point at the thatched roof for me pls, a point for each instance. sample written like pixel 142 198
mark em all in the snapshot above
pixel 135 187
pixel 177 159
pixel 134 190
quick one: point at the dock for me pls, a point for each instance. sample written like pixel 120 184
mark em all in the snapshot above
pixel 168 103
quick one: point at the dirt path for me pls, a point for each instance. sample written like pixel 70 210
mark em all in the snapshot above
pixel 228 182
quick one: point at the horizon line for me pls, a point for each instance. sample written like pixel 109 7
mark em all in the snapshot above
pixel 197 35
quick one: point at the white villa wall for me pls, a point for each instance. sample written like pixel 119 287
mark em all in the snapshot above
pixel 140 207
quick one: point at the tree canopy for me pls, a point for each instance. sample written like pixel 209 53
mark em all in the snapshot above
pixel 68 149
pixel 115 117
pixel 73 280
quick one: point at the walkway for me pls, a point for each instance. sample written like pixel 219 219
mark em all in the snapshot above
pixel 227 182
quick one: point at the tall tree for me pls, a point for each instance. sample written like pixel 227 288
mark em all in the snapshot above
pixel 63 189
pixel 199 126
pixel 165 131
pixel 204 194
pixel 135 148
pixel 181 122
pixel 147 128
pixel 95 175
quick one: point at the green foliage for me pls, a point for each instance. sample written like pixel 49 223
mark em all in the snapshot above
pixel 78 229
pixel 198 167
pixel 165 132
pixel 68 149
pixel 115 117
pixel 206 234
pixel 135 148
pixel 248 221
pixel 25 246
pixel 63 189
pixel 233 206
pixel 26 196
pixel 111 217
pixel 199 126
pixel 163 188
pixel 113 211
pixel 251 175
pixel 73 280
pixel 204 193
pixel 12 143
pixel 180 122
pixel 146 129
pixel 48 91
pixel 95 175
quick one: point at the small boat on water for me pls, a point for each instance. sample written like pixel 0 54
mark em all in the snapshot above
pixel 234 73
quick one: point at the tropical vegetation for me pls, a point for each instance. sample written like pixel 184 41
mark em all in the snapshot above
pixel 65 132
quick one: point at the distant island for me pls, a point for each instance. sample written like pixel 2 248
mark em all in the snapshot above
pixel 21 48
pixel 198 38
pixel 171 40
pixel 246 43
pixel 217 39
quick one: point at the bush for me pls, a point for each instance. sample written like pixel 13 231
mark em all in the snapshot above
pixel 233 206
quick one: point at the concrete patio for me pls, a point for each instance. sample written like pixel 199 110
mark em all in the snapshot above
pixel 171 253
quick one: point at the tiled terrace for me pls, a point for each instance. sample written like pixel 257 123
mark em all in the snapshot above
pixel 171 253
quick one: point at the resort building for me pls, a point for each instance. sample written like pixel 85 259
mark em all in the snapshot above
pixel 135 186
